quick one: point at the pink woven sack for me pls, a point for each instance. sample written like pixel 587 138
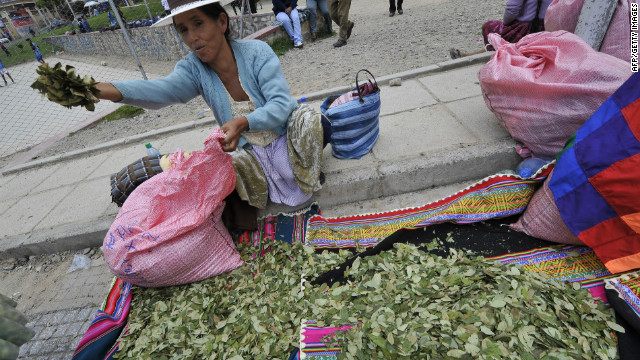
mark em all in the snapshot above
pixel 545 86
pixel 169 231
pixel 564 14
pixel 541 219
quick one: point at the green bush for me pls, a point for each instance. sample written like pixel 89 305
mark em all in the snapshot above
pixel 124 112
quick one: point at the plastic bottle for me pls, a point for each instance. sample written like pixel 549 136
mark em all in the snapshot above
pixel 529 166
pixel 151 151
pixel 303 100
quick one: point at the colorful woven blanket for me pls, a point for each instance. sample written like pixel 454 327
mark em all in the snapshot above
pixel 315 341
pixel 289 227
pixel 628 288
pixel 595 182
pixel 496 196
pixel 101 339
pixel 566 264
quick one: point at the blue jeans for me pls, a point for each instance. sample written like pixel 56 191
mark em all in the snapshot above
pixel 291 24
pixel 313 6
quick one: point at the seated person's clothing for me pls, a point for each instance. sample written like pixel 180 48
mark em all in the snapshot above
pixel 524 10
pixel 291 21
pixel 263 81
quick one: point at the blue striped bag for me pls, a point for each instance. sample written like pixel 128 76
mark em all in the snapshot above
pixel 354 121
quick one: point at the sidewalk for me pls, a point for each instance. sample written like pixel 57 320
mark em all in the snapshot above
pixel 436 136
pixel 435 129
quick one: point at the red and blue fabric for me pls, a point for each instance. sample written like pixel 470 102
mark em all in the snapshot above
pixel 596 181
pixel 102 338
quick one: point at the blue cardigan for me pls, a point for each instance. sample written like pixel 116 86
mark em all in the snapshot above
pixel 260 74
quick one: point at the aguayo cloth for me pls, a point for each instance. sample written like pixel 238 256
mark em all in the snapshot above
pixel 496 196
pixel 102 338
pixel 286 227
pixel 315 341
pixel 597 177
pixel 565 264
pixel 627 287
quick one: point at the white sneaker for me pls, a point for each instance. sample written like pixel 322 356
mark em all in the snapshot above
pixel 298 46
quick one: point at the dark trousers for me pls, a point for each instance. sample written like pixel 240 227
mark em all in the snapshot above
pixel 392 5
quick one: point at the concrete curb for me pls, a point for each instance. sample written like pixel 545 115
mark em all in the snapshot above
pixel 367 182
pixel 62 238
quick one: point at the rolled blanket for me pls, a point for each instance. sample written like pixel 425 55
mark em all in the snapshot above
pixel 126 180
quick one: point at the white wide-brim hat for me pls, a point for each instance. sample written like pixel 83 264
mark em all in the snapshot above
pixel 180 6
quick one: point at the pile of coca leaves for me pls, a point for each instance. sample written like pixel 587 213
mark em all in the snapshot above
pixel 414 305
pixel 65 87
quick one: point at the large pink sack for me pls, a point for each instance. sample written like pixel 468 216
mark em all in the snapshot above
pixel 545 86
pixel 169 230
pixel 564 14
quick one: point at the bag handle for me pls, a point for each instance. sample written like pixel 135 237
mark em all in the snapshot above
pixel 358 85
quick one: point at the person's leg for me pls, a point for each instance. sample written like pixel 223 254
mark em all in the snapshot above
pixel 312 5
pixel 286 23
pixel 322 4
pixel 297 29
pixel 400 7
pixel 9 75
pixel 3 78
pixel 343 15
pixel 332 5
pixel 345 6
pixel 392 7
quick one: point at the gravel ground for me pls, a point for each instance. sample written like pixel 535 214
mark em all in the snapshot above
pixel 384 45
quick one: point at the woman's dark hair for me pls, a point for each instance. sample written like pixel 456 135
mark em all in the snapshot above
pixel 213 11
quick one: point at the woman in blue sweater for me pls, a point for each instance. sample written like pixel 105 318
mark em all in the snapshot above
pixel 275 144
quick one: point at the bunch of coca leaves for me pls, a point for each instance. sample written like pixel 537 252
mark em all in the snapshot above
pixel 414 305
pixel 65 87
pixel 253 312
pixel 419 306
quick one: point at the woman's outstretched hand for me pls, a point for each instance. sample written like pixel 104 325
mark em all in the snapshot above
pixel 232 129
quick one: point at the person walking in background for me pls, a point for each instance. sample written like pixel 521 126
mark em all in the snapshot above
pixel 3 71
pixel 521 18
pixel 36 50
pixel 313 5
pixel 393 7
pixel 339 11
pixel 287 14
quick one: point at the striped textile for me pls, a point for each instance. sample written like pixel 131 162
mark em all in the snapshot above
pixel 496 196
pixel 628 288
pixel 566 264
pixel 101 339
pixel 355 123
pixel 314 338
pixel 289 227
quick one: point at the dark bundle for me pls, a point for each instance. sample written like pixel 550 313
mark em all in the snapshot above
pixel 65 87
